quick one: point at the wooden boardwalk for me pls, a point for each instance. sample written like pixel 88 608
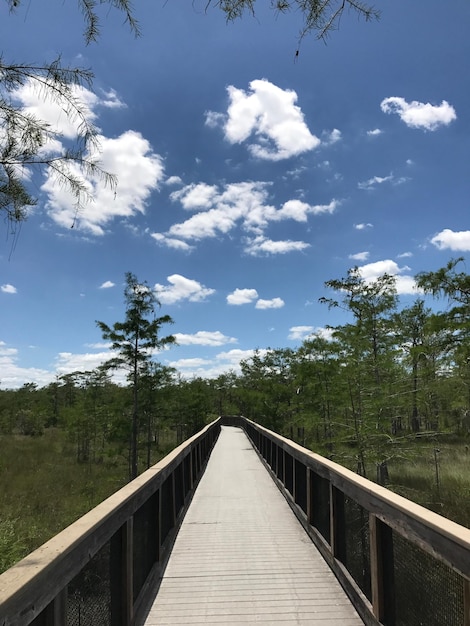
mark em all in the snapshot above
pixel 241 556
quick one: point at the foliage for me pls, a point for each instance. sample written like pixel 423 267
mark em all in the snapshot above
pixel 319 16
pixel 28 143
pixel 135 340
pixel 387 393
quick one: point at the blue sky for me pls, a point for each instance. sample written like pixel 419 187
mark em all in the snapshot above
pixel 247 177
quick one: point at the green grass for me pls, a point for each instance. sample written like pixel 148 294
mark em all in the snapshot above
pixel 448 492
pixel 43 489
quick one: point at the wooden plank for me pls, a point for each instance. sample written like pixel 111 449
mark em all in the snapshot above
pixel 241 556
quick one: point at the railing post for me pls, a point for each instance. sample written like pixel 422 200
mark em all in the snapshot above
pixel 309 505
pixel 381 571
pixel 56 612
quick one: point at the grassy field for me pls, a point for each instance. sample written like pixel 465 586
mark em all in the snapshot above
pixel 43 489
pixel 437 477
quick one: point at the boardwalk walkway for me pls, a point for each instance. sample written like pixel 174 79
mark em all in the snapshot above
pixel 241 556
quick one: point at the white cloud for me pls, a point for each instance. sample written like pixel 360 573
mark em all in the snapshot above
pixel 299 333
pixel 14 376
pixel 203 338
pixel 363 226
pixel 171 242
pixel 375 132
pixel 181 288
pixel 244 205
pixel 404 255
pixel 458 241
pixel 299 211
pixel 7 288
pixel 139 171
pixel 223 362
pixel 173 180
pixel 242 296
pixel 374 181
pixel 419 114
pixel 270 114
pixel 405 284
pixel 275 303
pixel 129 157
pixel 359 256
pixel 196 196
pixel 107 285
pixel 333 137
pixel 260 245
pixel 111 100
pixel 68 362
pixel 62 119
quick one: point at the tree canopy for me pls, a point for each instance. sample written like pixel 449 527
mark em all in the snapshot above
pixel 318 16
pixel 135 340
pixel 28 142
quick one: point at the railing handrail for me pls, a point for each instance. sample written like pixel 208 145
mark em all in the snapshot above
pixel 39 577
pixel 37 584
pixel 297 471
pixel 382 501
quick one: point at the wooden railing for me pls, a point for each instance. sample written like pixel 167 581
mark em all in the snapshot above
pixel 401 564
pixel 98 570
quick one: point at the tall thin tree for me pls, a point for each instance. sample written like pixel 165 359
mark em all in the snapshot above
pixel 135 341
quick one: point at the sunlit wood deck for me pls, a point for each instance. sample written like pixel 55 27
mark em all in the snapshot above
pixel 241 556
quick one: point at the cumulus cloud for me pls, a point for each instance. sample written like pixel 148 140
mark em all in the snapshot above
pixel 7 288
pixel 111 100
pixel 171 242
pixel 299 333
pixel 242 296
pixel 375 132
pixel 173 180
pixel 222 363
pixel 329 138
pixel 196 196
pixel 203 338
pixel 260 245
pixel 181 288
pixel 275 303
pixel 458 241
pixel 363 226
pixel 139 171
pixel 268 116
pixel 244 205
pixel 130 157
pixel 405 284
pixel 419 114
pixel 107 285
pixel 15 376
pixel 359 256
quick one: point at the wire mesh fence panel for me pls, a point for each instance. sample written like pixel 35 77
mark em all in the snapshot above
pixel 88 594
pixel 145 542
pixel 300 485
pixel 357 545
pixel 320 504
pixel 427 592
